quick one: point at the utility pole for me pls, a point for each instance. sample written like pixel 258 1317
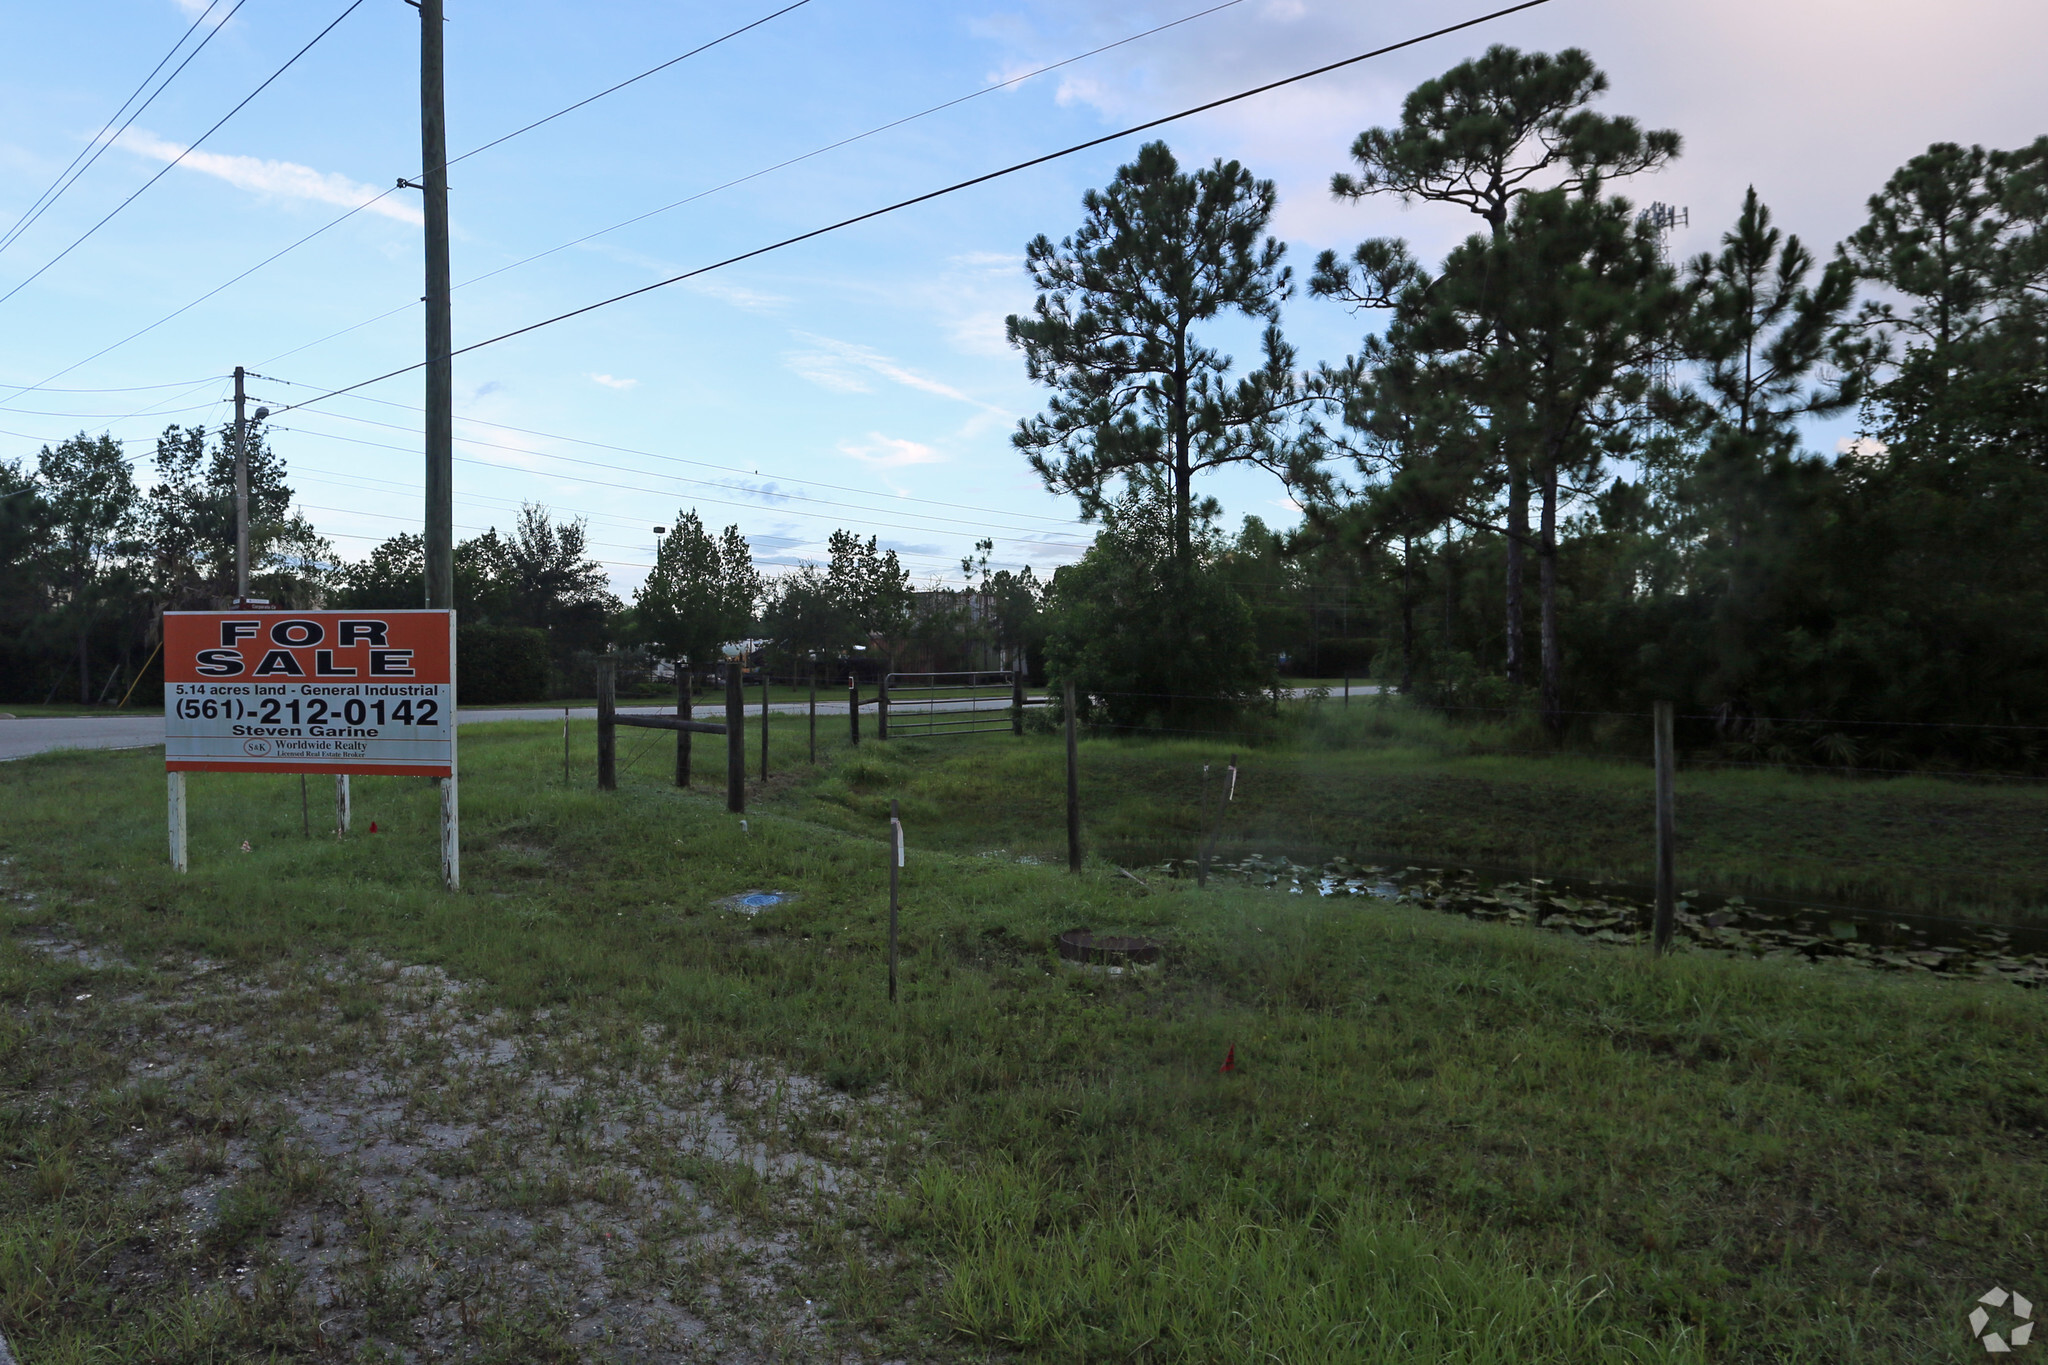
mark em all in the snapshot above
pixel 439 530
pixel 241 488
pixel 440 518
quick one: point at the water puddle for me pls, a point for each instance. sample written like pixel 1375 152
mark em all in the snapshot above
pixel 1613 912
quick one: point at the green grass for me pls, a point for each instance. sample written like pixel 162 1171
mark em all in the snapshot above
pixel 1390 783
pixel 1444 1141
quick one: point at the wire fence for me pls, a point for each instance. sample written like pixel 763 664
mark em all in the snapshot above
pixel 1911 878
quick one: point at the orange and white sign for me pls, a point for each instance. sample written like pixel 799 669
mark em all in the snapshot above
pixel 310 692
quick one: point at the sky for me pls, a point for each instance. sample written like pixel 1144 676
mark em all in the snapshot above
pixel 858 380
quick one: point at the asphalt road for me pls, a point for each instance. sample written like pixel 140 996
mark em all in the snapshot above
pixel 38 735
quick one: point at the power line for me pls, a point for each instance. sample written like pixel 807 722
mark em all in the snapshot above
pixel 556 507
pixel 336 222
pixel 652 70
pixel 866 519
pixel 929 195
pixel 98 416
pixel 126 388
pixel 774 544
pixel 170 166
pixel 100 141
pixel 705 483
pixel 976 93
pixel 219 288
pixel 860 515
pixel 669 459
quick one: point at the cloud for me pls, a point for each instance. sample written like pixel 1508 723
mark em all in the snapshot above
pixel 889 452
pixel 285 179
pixel 843 366
pixel 981 423
pixel 827 372
pixel 770 492
pixel 612 382
pixel 981 333
pixel 739 296
pixel 1865 448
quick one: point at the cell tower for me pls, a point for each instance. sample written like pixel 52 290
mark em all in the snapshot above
pixel 1662 218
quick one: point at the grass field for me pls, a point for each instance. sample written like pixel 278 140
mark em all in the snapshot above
pixel 1393 784
pixel 302 1100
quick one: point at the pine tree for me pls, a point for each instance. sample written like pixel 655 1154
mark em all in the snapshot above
pixel 1117 335
pixel 701 593
pixel 1481 136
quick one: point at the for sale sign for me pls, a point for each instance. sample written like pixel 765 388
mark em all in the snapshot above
pixel 310 692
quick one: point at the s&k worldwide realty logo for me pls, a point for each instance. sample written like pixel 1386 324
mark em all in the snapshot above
pixel 2016 1319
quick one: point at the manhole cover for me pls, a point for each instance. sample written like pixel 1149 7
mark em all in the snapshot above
pixel 754 902
pixel 1114 951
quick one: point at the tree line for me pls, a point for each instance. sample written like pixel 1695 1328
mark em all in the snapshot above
pixel 1563 475
pixel 93 552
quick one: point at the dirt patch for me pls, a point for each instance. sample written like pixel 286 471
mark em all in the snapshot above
pixel 360 1150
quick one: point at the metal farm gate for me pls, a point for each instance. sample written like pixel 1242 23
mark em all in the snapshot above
pixel 988 703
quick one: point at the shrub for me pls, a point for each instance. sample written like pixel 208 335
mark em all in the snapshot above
pixel 500 664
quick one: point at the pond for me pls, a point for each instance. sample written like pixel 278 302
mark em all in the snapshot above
pixel 1620 913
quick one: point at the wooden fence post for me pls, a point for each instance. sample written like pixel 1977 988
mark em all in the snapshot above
pixel 342 803
pixel 895 872
pixel 607 731
pixel 735 739
pixel 1073 787
pixel 882 708
pixel 1667 829
pixel 764 724
pixel 1017 703
pixel 853 709
pixel 814 712
pixel 684 682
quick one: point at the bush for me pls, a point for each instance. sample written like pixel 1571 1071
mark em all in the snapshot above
pixel 1150 642
pixel 500 664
